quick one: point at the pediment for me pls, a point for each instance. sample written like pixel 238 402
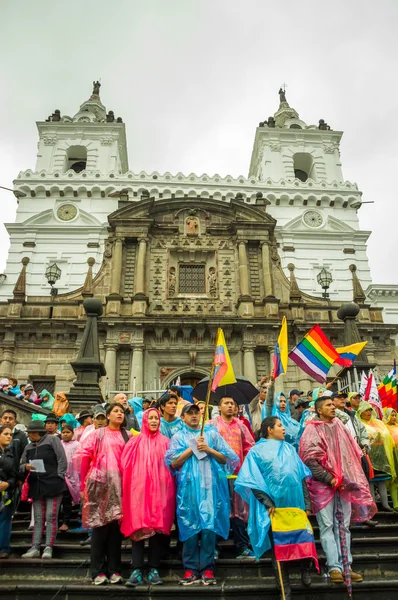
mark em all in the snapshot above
pixel 330 225
pixel 48 219
pixel 166 210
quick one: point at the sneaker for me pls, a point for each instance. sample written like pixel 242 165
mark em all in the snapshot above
pixel 32 553
pixel 154 577
pixel 86 542
pixel 135 579
pixel 247 554
pixel 101 579
pixel 356 577
pixel 336 576
pixel 306 577
pixel 47 552
pixel 115 578
pixel 189 578
pixel 208 578
pixel 64 527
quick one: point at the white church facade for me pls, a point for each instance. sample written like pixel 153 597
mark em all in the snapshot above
pixel 241 251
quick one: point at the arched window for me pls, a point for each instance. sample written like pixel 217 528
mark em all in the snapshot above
pixel 76 158
pixel 303 164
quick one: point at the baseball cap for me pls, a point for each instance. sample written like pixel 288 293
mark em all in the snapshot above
pixel 99 410
pixel 189 407
pixel 339 395
pixel 301 402
pixel 295 391
pixel 309 393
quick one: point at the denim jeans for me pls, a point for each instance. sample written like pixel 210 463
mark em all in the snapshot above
pixel 5 528
pixel 329 533
pixel 198 552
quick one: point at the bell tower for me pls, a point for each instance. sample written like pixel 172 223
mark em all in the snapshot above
pixel 91 140
pixel 285 147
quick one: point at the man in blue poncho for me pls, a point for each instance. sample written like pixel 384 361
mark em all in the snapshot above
pixel 201 467
pixel 169 422
pixel 272 476
pixel 278 406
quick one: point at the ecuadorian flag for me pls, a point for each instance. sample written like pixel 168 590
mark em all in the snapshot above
pixel 223 371
pixel 281 351
pixel 293 535
pixel 348 354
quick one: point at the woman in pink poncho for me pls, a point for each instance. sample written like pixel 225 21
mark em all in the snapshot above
pixel 72 476
pixel 148 497
pixel 101 485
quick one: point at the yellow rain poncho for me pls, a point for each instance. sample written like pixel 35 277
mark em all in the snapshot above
pixel 382 446
pixel 393 429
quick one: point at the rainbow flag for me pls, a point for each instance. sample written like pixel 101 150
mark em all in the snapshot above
pixel 293 535
pixel 281 351
pixel 314 354
pixel 223 371
pixel 388 389
pixel 349 353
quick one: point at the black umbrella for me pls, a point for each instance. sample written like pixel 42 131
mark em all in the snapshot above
pixel 243 391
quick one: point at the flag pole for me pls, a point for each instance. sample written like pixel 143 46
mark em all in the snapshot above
pixel 281 580
pixel 206 413
pixel 337 376
pixel 278 564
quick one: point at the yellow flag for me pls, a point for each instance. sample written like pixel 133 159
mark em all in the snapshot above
pixel 223 371
pixel 281 351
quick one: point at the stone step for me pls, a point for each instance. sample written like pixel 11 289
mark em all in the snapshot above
pixel 373 589
pixel 371 564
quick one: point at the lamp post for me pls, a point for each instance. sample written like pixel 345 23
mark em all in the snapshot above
pixel 3 277
pixel 53 273
pixel 324 278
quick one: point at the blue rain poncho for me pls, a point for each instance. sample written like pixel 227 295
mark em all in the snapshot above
pixel 275 468
pixel 136 405
pixel 292 427
pixel 169 429
pixel 202 485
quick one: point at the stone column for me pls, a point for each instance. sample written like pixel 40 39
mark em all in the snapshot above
pixel 249 365
pixel 141 262
pixel 110 365
pixel 137 368
pixel 116 274
pixel 243 269
pixel 7 363
pixel 267 273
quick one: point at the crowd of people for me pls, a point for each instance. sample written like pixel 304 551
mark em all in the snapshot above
pixel 139 468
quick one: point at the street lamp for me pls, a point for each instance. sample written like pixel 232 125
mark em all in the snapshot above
pixel 324 278
pixel 53 273
pixel 3 277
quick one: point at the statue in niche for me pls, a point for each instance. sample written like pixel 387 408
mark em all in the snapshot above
pixel 192 223
pixel 212 281
pixel 172 281
pixel 108 249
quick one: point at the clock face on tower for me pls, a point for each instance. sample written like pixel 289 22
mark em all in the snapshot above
pixel 312 218
pixel 67 212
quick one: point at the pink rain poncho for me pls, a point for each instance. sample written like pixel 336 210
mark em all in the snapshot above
pixel 238 437
pixel 72 475
pixel 100 476
pixel 334 448
pixel 148 486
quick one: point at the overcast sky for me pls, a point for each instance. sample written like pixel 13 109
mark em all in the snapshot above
pixel 192 79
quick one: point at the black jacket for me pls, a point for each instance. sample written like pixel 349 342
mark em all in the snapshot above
pixel 51 483
pixel 8 471
pixel 18 444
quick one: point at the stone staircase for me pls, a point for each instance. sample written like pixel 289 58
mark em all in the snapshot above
pixel 67 576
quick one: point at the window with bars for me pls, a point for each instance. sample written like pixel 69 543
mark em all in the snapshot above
pixel 191 279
